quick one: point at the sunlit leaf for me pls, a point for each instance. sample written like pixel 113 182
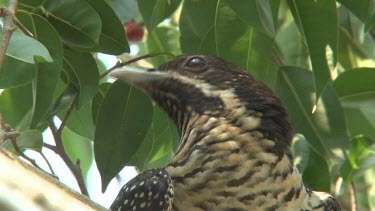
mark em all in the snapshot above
pixel 15 106
pixel 163 39
pixel 32 50
pixel 155 11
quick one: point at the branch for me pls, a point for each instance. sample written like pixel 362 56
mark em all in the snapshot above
pixel 74 168
pixel 8 28
pixel 24 187
pixel 121 64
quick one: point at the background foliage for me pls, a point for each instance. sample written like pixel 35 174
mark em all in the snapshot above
pixel 318 55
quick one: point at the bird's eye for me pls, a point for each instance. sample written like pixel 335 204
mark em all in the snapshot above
pixel 196 64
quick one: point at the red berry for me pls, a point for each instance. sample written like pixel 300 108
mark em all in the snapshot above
pixel 134 33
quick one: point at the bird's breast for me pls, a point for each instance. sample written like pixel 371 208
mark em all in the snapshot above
pixel 221 167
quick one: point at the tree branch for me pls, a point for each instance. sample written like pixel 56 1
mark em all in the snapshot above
pixel 8 28
pixel 74 168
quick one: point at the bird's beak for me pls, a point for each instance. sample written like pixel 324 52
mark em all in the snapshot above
pixel 136 75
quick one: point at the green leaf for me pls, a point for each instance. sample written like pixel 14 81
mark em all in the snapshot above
pixel 125 10
pixel 295 52
pixel 46 74
pixel 314 168
pixel 359 152
pixel 15 73
pixel 80 122
pixel 28 139
pixel 155 11
pixel 32 50
pixel 358 100
pixel 256 13
pixel 214 28
pixel 324 129
pixel 82 67
pixel 163 39
pixel 98 99
pixel 77 23
pixel 321 34
pixel 360 80
pixel 15 106
pixel 112 38
pixel 361 9
pixel 78 148
pixel 157 148
pixel 124 117
pixel 30 3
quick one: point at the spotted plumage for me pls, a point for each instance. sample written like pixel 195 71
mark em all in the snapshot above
pixel 234 141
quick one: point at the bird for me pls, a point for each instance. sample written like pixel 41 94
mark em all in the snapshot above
pixel 234 149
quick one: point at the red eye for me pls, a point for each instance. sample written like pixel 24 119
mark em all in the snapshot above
pixel 196 64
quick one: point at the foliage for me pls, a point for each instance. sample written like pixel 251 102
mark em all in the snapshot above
pixel 318 55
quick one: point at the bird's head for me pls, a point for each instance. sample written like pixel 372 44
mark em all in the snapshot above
pixel 205 85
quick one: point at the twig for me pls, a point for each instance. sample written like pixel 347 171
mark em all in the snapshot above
pixel 20 152
pixel 22 27
pixel 120 64
pixel 50 147
pixel 75 169
pixel 353 206
pixel 8 28
pixel 49 165
pixel 66 117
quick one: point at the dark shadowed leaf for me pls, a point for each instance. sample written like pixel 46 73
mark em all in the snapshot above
pixel 15 73
pixel 125 10
pixel 321 34
pixel 30 3
pixel 112 38
pixel 15 106
pixel 214 28
pixel 46 74
pixel 77 23
pixel 257 13
pixel 82 67
pixel 361 9
pixel 163 39
pixel 157 148
pixel 97 100
pixel 155 11
pixel 325 129
pixel 124 117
